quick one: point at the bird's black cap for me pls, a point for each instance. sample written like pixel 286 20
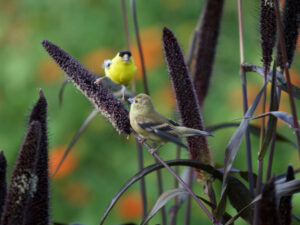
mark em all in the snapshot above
pixel 122 53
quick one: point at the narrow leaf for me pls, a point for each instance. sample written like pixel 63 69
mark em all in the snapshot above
pixel 235 141
pixel 271 125
pixel 280 79
pixel 181 162
pixel 254 129
pixel 162 201
pixel 283 116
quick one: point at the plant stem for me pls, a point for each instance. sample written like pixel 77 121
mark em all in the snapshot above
pixel 287 74
pixel 188 200
pixel 146 90
pixel 245 100
pixel 136 28
pixel 175 207
pixel 142 182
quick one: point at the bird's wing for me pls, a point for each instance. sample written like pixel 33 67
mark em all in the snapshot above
pixel 161 129
pixel 174 123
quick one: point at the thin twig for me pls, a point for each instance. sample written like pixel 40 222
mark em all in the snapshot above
pixel 287 74
pixel 125 21
pixel 185 186
pixel 245 100
pixel 136 28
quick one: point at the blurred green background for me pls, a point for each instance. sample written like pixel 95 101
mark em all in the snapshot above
pixel 102 161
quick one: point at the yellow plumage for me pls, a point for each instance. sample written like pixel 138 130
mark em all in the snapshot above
pixel 119 69
pixel 151 125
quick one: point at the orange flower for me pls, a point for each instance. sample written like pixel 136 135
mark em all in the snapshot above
pixel 77 193
pixel 68 166
pixel 48 71
pixel 94 59
pixel 152 50
pixel 130 206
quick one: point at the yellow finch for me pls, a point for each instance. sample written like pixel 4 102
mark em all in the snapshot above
pixel 153 126
pixel 120 70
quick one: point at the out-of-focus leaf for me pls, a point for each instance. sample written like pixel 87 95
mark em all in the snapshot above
pixel 61 91
pixel 162 200
pixel 254 129
pixel 242 210
pixel 240 200
pixel 76 137
pixel 235 141
pixel 280 79
pixel 271 125
pixel 288 188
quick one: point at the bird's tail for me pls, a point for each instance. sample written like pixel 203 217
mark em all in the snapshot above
pixel 187 132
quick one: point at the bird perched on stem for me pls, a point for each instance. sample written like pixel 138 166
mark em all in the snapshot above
pixel 120 70
pixel 151 125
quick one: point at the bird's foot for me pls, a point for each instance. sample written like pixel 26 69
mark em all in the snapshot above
pixel 141 140
pixel 99 80
pixel 154 150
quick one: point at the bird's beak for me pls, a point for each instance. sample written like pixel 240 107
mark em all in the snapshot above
pixel 130 100
pixel 125 58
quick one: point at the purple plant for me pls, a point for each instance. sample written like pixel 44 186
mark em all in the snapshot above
pixel 186 98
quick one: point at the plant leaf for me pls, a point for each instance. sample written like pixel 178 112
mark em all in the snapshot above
pixel 280 79
pixel 180 162
pixel 283 116
pixel 254 129
pixel 162 200
pixel 272 121
pixel 235 141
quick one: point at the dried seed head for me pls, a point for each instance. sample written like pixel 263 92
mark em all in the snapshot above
pixel 208 33
pixel 268 213
pixel 38 210
pixel 186 97
pixel 267 32
pixel 20 188
pixel 3 166
pixel 105 101
pixel 290 24
pixel 285 206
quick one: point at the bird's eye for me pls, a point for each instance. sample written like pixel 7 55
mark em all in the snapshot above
pixel 136 101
